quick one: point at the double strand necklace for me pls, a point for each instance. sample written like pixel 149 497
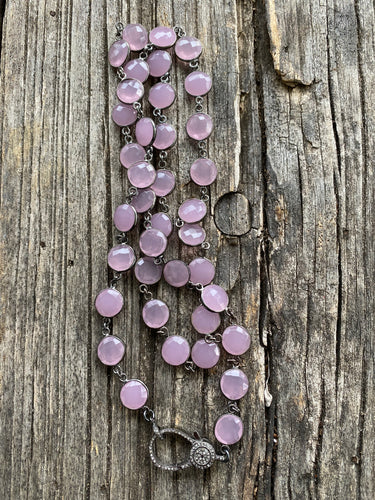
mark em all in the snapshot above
pixel 137 56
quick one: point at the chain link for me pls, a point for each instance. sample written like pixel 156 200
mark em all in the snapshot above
pixel 145 291
pixel 205 245
pixel 116 278
pixel 194 64
pixel 204 194
pixel 159 115
pixel 213 339
pixel 121 73
pixel 117 370
pixel 162 159
pixel 119 29
pixel 198 104
pixel 106 328
pixel 233 408
pixel 132 191
pixel 138 107
pixel 163 204
pixel 126 132
pixel 148 414
pixel 202 147
pixel 179 30
pixel 189 366
pixel 122 237
pixel 165 78
pixel 146 51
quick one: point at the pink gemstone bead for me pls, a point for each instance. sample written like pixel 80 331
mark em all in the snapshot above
pixel 192 234
pixel 236 340
pixel 134 394
pixel 155 313
pixel 153 242
pixel 161 221
pixel 130 90
pixel 161 95
pixel 125 217
pixel 198 83
pixel 164 182
pixel 201 271
pixel 234 384
pixel 198 126
pixel 159 62
pixel 144 200
pixel 138 69
pixel 118 53
pixel 192 210
pixel 124 115
pixel 229 429
pixel 121 257
pixel 145 131
pixel 205 355
pixel 141 174
pixel 131 153
pixel 215 298
pixel 136 36
pixel 205 321
pixel 176 273
pixel 146 271
pixel 111 350
pixel 175 350
pixel 165 136
pixel 188 48
pixel 109 302
pixel 162 37
pixel 203 172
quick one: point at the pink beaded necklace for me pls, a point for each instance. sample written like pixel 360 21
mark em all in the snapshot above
pixel 138 55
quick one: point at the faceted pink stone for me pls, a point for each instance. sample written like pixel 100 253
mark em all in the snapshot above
pixel 131 153
pixel 144 200
pixel 234 384
pixel 121 257
pixel 192 234
pixel 159 62
pixel 161 221
pixel 118 53
pixel 175 350
pixel 141 174
pixel 205 321
pixel 163 37
pixel 161 95
pixel 188 48
pixel 130 90
pixel 229 429
pixel 124 115
pixel 215 298
pixel 236 340
pixel 136 36
pixel 111 350
pixel 138 69
pixel 205 355
pixel 155 313
pixel 134 394
pixel 153 242
pixel 176 273
pixel 146 271
pixel 165 136
pixel 198 83
pixel 192 210
pixel 201 271
pixel 125 217
pixel 145 131
pixel 164 182
pixel 203 172
pixel 109 302
pixel 198 126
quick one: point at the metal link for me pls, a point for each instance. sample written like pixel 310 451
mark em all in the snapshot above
pixel 226 452
pixel 126 132
pixel 145 291
pixel 202 146
pixel 194 64
pixel 228 311
pixel 146 51
pixel 147 220
pixel 198 104
pixel 213 339
pixel 159 260
pixel 236 361
pixel 106 328
pixel 121 73
pixel 179 222
pixel 115 279
pixel 117 370
pixel 138 107
pixel 204 194
pixel 165 78
pixel 179 30
pixel 148 414
pixel 205 245
pixel 162 159
pixel 132 191
pixel 119 29
pixel 189 366
pixel 122 238
pixel 233 408
pixel 149 153
pixel 163 331
pixel 159 115
pixel 163 204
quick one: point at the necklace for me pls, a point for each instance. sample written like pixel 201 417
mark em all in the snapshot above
pixel 137 56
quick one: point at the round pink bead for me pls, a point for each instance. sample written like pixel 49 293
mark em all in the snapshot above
pixel 164 182
pixel 188 48
pixel 201 271
pixel 198 83
pixel 134 394
pixel 165 136
pixel 109 302
pixel 136 36
pixel 144 200
pixel 199 126
pixel 118 53
pixel 145 131
pixel 203 172
pixel 153 242
pixel 192 210
pixel 138 69
pixel 234 384
pixel 121 257
pixel 155 313
pixel 146 271
pixel 163 37
pixel 131 153
pixel 175 350
pixel 111 350
pixel 161 221
pixel 125 217
pixel 124 115
pixel 192 234
pixel 205 321
pixel 205 355
pixel 141 174
pixel 236 340
pixel 215 298
pixel 159 62
pixel 161 95
pixel 176 273
pixel 229 429
pixel 130 90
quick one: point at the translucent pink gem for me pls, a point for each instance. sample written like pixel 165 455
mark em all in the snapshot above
pixel 162 36
pixel 161 221
pixel 236 340
pixel 146 271
pixel 161 95
pixel 118 53
pixel 205 355
pixel 111 350
pixel 201 271
pixel 159 62
pixel 153 242
pixel 141 174
pixel 199 126
pixel 134 394
pixel 205 321
pixel 138 69
pixel 121 257
pixel 192 234
pixel 131 153
pixel 144 200
pixel 203 172
pixel 145 131
pixel 155 313
pixel 125 217
pixel 198 83
pixel 188 48
pixel 165 136
pixel 175 350
pixel 229 429
pixel 192 210
pixel 109 302
pixel 124 115
pixel 136 36
pixel 130 90
pixel 164 182
pixel 215 298
pixel 176 273
pixel 234 384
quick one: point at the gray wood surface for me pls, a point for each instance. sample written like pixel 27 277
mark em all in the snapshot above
pixel 293 105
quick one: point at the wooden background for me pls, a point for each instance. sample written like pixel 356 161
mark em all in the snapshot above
pixel 294 104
